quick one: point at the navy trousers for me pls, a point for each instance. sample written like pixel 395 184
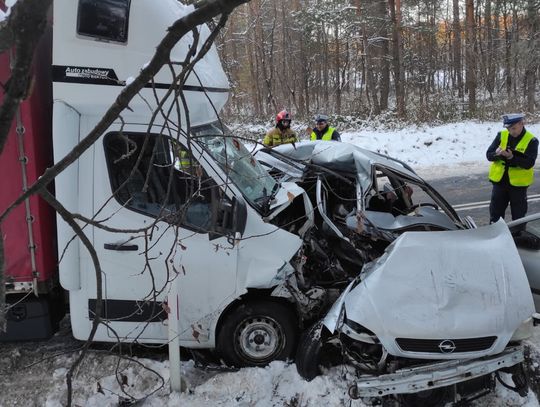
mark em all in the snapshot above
pixel 504 194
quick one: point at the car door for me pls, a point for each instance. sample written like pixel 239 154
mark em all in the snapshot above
pixel 526 232
pixel 175 228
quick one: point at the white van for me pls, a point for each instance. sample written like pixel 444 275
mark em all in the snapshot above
pixel 190 211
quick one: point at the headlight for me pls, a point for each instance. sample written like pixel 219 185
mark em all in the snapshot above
pixel 523 332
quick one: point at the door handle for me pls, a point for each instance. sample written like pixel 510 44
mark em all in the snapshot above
pixel 121 247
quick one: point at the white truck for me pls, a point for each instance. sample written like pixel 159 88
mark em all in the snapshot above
pixel 180 225
pixel 166 197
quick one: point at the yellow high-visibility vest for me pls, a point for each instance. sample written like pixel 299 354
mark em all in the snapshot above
pixel 518 177
pixel 275 137
pixel 326 136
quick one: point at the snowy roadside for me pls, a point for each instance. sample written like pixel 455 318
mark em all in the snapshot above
pixel 34 374
pixel 97 385
pixel 106 381
pixel 434 152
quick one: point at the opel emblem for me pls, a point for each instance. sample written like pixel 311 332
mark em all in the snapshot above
pixel 447 346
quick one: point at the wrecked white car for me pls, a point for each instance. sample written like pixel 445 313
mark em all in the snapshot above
pixel 432 317
pixel 429 314
pixel 363 201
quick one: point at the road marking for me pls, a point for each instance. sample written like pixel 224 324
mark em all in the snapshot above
pixel 485 204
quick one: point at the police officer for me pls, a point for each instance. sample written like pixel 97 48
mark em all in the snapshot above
pixel 513 153
pixel 322 131
pixel 282 133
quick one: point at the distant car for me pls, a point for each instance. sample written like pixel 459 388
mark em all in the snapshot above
pixel 424 316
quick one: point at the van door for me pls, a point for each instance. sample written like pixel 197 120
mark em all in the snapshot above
pixel 176 224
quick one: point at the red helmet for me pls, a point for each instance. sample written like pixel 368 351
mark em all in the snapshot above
pixel 283 115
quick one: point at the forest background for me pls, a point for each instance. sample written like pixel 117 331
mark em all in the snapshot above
pixel 421 61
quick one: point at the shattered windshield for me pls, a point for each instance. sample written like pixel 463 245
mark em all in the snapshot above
pixel 245 172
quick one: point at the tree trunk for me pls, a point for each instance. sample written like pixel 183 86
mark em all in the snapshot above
pixel 470 56
pixel 384 86
pixel 490 57
pixel 337 68
pixel 532 58
pixel 507 55
pixel 456 26
pixel 397 56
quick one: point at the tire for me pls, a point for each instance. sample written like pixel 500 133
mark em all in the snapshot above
pixel 311 352
pixel 316 352
pixel 256 333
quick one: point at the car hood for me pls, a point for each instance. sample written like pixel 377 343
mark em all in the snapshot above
pixel 442 285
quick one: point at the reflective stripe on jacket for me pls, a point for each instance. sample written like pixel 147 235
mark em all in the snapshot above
pixel 326 136
pixel 517 176
pixel 274 137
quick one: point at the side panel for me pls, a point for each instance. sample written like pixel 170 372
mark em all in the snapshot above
pixel 35 148
pixel 137 266
pixel 66 122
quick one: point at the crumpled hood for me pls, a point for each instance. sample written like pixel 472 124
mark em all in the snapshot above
pixel 444 285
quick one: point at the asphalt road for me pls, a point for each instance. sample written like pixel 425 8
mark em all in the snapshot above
pixel 470 195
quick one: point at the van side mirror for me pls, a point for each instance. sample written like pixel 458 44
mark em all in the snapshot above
pixel 230 218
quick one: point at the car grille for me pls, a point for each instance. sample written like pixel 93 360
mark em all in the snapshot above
pixel 446 345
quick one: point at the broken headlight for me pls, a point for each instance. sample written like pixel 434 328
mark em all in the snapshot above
pixel 523 332
pixel 356 331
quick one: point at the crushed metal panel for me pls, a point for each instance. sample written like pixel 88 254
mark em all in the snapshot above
pixel 432 376
pixel 452 284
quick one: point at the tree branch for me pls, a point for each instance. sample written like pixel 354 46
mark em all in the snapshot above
pixel 23 30
pixel 181 27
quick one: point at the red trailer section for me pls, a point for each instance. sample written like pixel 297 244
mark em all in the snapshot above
pixel 29 232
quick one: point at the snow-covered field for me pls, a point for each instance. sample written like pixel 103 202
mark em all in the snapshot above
pixel 441 151
pixel 31 374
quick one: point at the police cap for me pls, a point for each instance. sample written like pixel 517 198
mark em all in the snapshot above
pixel 512 118
pixel 321 118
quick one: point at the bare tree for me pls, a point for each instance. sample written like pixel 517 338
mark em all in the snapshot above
pixel 532 54
pixel 470 40
pixel 23 28
pixel 397 61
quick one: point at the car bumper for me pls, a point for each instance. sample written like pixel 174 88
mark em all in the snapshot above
pixel 441 374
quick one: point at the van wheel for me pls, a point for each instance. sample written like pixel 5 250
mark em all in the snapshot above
pixel 256 333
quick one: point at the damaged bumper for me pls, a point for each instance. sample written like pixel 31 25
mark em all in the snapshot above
pixel 414 380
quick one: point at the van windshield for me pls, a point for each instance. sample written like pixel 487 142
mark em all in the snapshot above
pixel 245 172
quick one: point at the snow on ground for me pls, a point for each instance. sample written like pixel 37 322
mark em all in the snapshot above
pixel 434 151
pixel 450 149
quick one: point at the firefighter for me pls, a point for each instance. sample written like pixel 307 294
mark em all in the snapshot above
pixel 512 153
pixel 185 161
pixel 322 131
pixel 282 133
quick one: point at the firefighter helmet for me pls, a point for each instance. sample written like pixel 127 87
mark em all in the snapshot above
pixel 283 115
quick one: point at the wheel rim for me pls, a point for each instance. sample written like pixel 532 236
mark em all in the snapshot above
pixel 259 339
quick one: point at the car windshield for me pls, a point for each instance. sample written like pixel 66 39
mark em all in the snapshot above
pixel 238 163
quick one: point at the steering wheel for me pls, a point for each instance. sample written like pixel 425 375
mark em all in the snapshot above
pixel 418 205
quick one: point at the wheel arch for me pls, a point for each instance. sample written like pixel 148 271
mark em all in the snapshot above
pixel 254 294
